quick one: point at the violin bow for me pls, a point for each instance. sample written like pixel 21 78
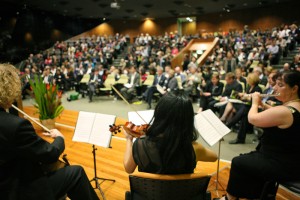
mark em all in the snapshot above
pixel 25 114
pixel 123 98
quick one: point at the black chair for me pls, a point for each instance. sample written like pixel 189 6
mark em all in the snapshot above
pixel 271 187
pixel 145 186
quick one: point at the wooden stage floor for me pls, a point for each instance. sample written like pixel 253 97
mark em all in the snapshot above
pixel 110 160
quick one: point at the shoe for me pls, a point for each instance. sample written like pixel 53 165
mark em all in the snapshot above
pixel 149 107
pixel 236 141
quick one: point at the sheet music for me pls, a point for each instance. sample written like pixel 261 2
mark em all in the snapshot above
pixel 100 134
pixel 84 126
pixel 93 128
pixel 135 118
pixel 160 89
pixel 210 127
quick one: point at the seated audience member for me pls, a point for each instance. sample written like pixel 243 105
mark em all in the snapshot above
pixel 133 81
pixel 22 153
pixel 263 79
pixel 59 79
pixel 159 79
pixel 213 88
pixel 277 155
pixel 171 83
pixel 273 51
pixel 170 145
pixel 229 63
pixel 193 79
pixel 234 112
pixel 239 77
pixel 94 82
pixel 231 85
pixel 47 76
pixel 25 82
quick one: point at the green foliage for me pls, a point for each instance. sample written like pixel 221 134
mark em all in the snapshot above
pixel 47 98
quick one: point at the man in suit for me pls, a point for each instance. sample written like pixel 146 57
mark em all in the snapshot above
pixel 47 76
pixel 133 81
pixel 23 153
pixel 231 85
pixel 159 79
pixel 94 82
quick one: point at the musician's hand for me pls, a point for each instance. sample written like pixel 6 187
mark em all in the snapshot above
pixel 54 133
pixel 127 136
pixel 256 100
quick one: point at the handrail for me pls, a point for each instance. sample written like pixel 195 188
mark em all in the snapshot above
pixel 210 43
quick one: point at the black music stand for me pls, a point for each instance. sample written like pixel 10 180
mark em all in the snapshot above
pixel 96 178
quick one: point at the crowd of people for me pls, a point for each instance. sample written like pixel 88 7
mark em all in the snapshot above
pixel 239 54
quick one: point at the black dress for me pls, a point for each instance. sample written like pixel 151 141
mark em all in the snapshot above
pixel 277 158
pixel 148 158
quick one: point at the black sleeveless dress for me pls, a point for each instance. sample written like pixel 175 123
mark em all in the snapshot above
pixel 277 158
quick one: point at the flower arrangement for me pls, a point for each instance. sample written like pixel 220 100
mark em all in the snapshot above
pixel 47 98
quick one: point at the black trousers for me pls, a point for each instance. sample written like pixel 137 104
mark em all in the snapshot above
pixel 73 181
pixel 249 172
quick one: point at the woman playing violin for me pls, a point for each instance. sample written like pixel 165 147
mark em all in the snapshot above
pixel 22 153
pixel 169 146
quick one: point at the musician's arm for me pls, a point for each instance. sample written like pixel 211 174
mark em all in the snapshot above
pixel 204 154
pixel 279 116
pixel 30 145
pixel 129 163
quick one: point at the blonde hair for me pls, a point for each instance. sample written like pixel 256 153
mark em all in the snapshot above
pixel 252 79
pixel 10 83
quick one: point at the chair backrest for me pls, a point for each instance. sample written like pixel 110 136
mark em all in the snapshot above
pixel 149 81
pixel 85 78
pixel 109 81
pixel 262 87
pixel 123 79
pixel 179 82
pixel 164 187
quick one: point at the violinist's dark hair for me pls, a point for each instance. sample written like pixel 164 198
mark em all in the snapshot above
pixel 173 128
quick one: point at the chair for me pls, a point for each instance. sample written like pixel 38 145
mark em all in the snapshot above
pixel 179 82
pixel 271 187
pixel 109 81
pixel 123 79
pixel 149 81
pixel 144 186
pixel 262 87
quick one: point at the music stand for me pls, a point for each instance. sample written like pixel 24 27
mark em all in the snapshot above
pixel 96 178
pixel 218 169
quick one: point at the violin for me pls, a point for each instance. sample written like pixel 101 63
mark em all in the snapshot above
pixel 130 128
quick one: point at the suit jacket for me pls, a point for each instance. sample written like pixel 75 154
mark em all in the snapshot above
pixel 22 153
pixel 236 86
pixel 217 91
pixel 136 80
pixel 233 65
pixel 161 82
pixel 172 84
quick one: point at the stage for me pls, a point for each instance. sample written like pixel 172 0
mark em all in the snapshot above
pixel 110 160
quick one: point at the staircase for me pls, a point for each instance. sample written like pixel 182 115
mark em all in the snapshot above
pixel 117 61
pixel 289 59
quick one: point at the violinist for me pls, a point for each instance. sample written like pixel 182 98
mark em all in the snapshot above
pixel 22 153
pixel 169 146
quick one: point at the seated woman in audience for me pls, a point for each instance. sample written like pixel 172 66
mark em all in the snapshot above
pixel 234 111
pixel 277 155
pixel 212 89
pixel 169 146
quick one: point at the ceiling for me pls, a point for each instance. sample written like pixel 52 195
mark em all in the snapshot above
pixel 139 9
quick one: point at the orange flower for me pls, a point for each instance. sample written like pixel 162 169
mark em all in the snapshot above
pixel 48 86
pixel 59 93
